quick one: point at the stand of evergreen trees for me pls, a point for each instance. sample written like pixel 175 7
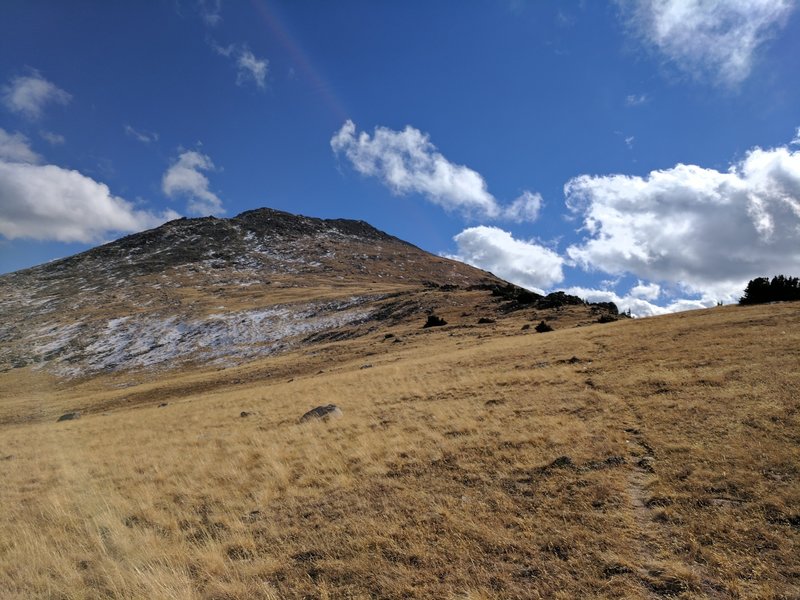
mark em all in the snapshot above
pixel 761 290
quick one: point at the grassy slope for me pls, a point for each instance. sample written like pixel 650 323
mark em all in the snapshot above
pixel 445 478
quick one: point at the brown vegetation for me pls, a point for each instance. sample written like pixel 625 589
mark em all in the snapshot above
pixel 635 459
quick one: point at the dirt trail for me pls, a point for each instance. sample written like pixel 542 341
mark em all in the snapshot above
pixel 655 572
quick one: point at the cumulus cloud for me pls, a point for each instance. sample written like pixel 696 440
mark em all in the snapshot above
pixel 141 136
pixel 639 306
pixel 14 147
pixel 407 162
pixel 30 94
pixel 647 291
pixel 248 66
pixel 524 263
pixel 703 230
pixel 717 38
pixel 796 140
pixel 525 208
pixel 47 202
pixel 185 179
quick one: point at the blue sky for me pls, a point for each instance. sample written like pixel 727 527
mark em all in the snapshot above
pixel 645 152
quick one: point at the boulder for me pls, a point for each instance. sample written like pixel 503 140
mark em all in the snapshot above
pixel 70 416
pixel 323 413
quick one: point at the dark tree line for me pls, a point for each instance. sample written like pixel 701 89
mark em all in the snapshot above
pixel 780 289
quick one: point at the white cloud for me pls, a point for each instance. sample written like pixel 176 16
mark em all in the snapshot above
pixel 184 179
pixel 14 147
pixel 52 138
pixel 210 11
pixel 524 263
pixel 251 68
pixel 407 162
pixel 525 208
pixel 47 202
pixel 225 51
pixel 629 141
pixel 30 94
pixel 639 306
pixel 636 99
pixel 248 66
pixel 142 136
pixel 700 229
pixel 647 291
pixel 716 38
pixel 796 140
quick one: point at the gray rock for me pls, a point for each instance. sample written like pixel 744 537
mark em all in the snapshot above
pixel 71 416
pixel 323 413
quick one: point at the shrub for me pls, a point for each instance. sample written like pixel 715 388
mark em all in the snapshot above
pixel 434 321
pixel 557 300
pixel 543 327
pixel 606 318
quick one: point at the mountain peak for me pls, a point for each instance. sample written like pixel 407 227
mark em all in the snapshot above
pixel 263 220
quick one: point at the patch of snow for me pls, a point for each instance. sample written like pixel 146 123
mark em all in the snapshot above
pixel 146 341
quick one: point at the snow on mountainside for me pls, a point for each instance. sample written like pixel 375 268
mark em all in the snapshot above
pixel 217 291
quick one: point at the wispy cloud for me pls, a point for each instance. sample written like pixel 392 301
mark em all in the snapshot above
pixel 52 138
pixel 184 178
pixel 210 11
pixel 249 68
pixel 407 162
pixel 14 147
pixel 708 39
pixel 145 137
pixel 636 99
pixel 28 95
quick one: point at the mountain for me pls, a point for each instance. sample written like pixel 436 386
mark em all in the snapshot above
pixel 214 292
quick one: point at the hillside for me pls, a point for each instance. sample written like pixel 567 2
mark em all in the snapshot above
pixel 221 291
pixel 633 459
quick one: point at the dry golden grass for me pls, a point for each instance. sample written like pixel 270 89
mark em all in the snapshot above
pixel 638 459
